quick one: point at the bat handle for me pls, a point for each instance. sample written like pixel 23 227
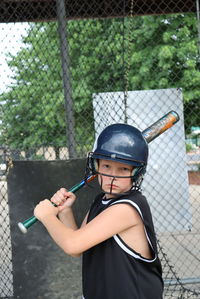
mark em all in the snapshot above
pixel 23 226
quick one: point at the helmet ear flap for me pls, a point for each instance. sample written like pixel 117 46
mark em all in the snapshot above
pixel 137 172
pixel 93 164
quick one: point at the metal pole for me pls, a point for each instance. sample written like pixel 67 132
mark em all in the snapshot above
pixel 198 25
pixel 61 14
pixel 184 281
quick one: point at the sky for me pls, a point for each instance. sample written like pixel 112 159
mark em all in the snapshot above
pixel 10 41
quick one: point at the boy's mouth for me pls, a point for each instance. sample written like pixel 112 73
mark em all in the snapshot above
pixel 111 186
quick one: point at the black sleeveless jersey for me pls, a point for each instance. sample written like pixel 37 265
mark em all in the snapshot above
pixel 112 270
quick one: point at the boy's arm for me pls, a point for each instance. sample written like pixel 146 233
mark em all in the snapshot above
pixel 67 218
pixel 64 201
pixel 113 220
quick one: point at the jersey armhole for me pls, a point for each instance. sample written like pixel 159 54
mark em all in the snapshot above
pixel 124 246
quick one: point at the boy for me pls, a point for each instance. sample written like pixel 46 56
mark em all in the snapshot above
pixel 117 238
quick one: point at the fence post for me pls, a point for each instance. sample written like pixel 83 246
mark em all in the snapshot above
pixel 61 14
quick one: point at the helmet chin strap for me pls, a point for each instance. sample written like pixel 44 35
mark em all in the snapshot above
pixel 112 185
pixel 134 187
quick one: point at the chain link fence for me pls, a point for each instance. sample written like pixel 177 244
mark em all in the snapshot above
pixel 70 69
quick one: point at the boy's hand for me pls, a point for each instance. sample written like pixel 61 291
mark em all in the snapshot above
pixel 45 209
pixel 63 199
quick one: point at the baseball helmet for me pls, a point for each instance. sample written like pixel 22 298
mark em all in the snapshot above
pixel 121 143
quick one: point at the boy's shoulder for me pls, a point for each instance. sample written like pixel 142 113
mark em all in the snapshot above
pixel 135 198
pixel 134 195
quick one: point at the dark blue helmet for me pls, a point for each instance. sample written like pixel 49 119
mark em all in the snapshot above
pixel 121 143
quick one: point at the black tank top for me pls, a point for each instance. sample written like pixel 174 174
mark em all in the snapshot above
pixel 112 270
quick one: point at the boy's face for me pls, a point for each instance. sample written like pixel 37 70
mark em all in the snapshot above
pixel 117 185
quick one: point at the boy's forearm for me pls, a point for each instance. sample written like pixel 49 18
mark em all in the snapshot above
pixel 61 234
pixel 67 218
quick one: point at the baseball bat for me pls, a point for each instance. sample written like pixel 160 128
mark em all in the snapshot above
pixel 23 226
pixel 160 126
pixel 152 132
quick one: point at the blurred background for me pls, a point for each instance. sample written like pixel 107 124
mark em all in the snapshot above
pixel 70 68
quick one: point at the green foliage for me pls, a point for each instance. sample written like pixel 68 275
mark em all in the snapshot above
pixel 33 109
pixel 161 52
pixel 168 53
pixel 189 147
pixel 165 55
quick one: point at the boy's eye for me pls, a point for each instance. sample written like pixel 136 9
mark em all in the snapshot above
pixel 125 169
pixel 105 166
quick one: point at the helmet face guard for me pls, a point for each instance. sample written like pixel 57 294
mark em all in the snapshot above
pixel 121 143
pixel 93 165
pixel 136 175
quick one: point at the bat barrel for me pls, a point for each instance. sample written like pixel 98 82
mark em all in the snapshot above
pixel 160 126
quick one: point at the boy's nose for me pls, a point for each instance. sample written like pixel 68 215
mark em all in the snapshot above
pixel 113 175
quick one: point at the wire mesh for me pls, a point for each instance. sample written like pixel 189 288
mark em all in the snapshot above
pixel 58 57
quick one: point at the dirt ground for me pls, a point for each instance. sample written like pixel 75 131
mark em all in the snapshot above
pixel 194 177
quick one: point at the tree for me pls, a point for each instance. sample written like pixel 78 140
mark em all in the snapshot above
pixel 165 55
pixel 96 52
pixel 158 52
pixel 33 109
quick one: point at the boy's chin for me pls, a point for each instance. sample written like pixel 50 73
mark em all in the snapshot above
pixel 115 193
pixel 111 194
